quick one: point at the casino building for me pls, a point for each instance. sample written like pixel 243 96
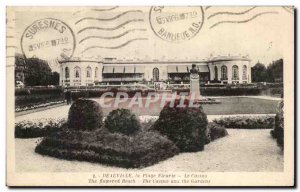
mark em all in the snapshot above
pixel 221 69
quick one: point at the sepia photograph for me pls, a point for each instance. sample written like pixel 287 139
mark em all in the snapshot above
pixel 150 96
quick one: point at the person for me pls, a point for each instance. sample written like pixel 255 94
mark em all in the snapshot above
pixel 68 97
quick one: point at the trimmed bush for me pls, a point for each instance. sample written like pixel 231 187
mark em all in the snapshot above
pixel 75 95
pixel 243 122
pixel 226 91
pixel 185 126
pixel 38 91
pixel 31 97
pixel 215 131
pixel 276 91
pixel 122 121
pixel 85 115
pixel 136 151
pixel 278 132
pixel 32 100
pixel 31 129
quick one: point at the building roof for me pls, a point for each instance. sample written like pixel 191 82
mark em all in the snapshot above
pixel 229 58
pixel 166 61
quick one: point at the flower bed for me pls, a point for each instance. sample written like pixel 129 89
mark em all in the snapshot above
pixel 37 106
pixel 37 97
pixel 39 128
pixel 119 141
pixel 243 122
pixel 135 151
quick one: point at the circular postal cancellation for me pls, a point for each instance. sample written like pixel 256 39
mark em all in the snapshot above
pixel 176 24
pixel 48 39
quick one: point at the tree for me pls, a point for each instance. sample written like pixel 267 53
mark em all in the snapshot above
pixel 271 74
pixel 275 71
pixel 259 73
pixel 54 78
pixel 38 72
pixel 19 67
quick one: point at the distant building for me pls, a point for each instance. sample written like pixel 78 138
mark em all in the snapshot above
pixel 226 69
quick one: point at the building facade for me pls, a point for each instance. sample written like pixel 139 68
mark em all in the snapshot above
pixel 226 70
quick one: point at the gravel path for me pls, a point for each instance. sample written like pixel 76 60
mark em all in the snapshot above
pixel 243 150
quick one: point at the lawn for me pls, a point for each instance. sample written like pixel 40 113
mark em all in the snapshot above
pixel 229 105
pixel 241 105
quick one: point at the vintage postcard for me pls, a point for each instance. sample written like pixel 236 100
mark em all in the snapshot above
pixel 150 96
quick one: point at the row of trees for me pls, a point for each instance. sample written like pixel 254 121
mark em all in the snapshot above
pixel 36 71
pixel 272 73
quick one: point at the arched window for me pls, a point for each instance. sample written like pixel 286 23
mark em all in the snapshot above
pixel 244 72
pixel 224 72
pixel 235 72
pixel 77 71
pixel 216 73
pixel 67 72
pixel 155 74
pixel 96 72
pixel 88 72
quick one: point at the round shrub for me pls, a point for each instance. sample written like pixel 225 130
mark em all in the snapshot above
pixel 185 126
pixel 278 131
pixel 215 131
pixel 85 115
pixel 122 121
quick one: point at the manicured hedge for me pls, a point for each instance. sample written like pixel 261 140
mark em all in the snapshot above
pixel 38 91
pixel 245 122
pixel 139 150
pixel 225 91
pixel 31 100
pixel 228 91
pixel 276 91
pixel 33 129
pixel 278 131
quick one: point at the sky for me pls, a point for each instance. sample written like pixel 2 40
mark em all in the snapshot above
pixel 261 33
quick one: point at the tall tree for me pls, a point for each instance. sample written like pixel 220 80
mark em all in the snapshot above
pixel 275 71
pixel 19 67
pixel 54 78
pixel 259 73
pixel 38 72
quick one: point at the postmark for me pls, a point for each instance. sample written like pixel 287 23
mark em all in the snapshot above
pixel 176 24
pixel 48 39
